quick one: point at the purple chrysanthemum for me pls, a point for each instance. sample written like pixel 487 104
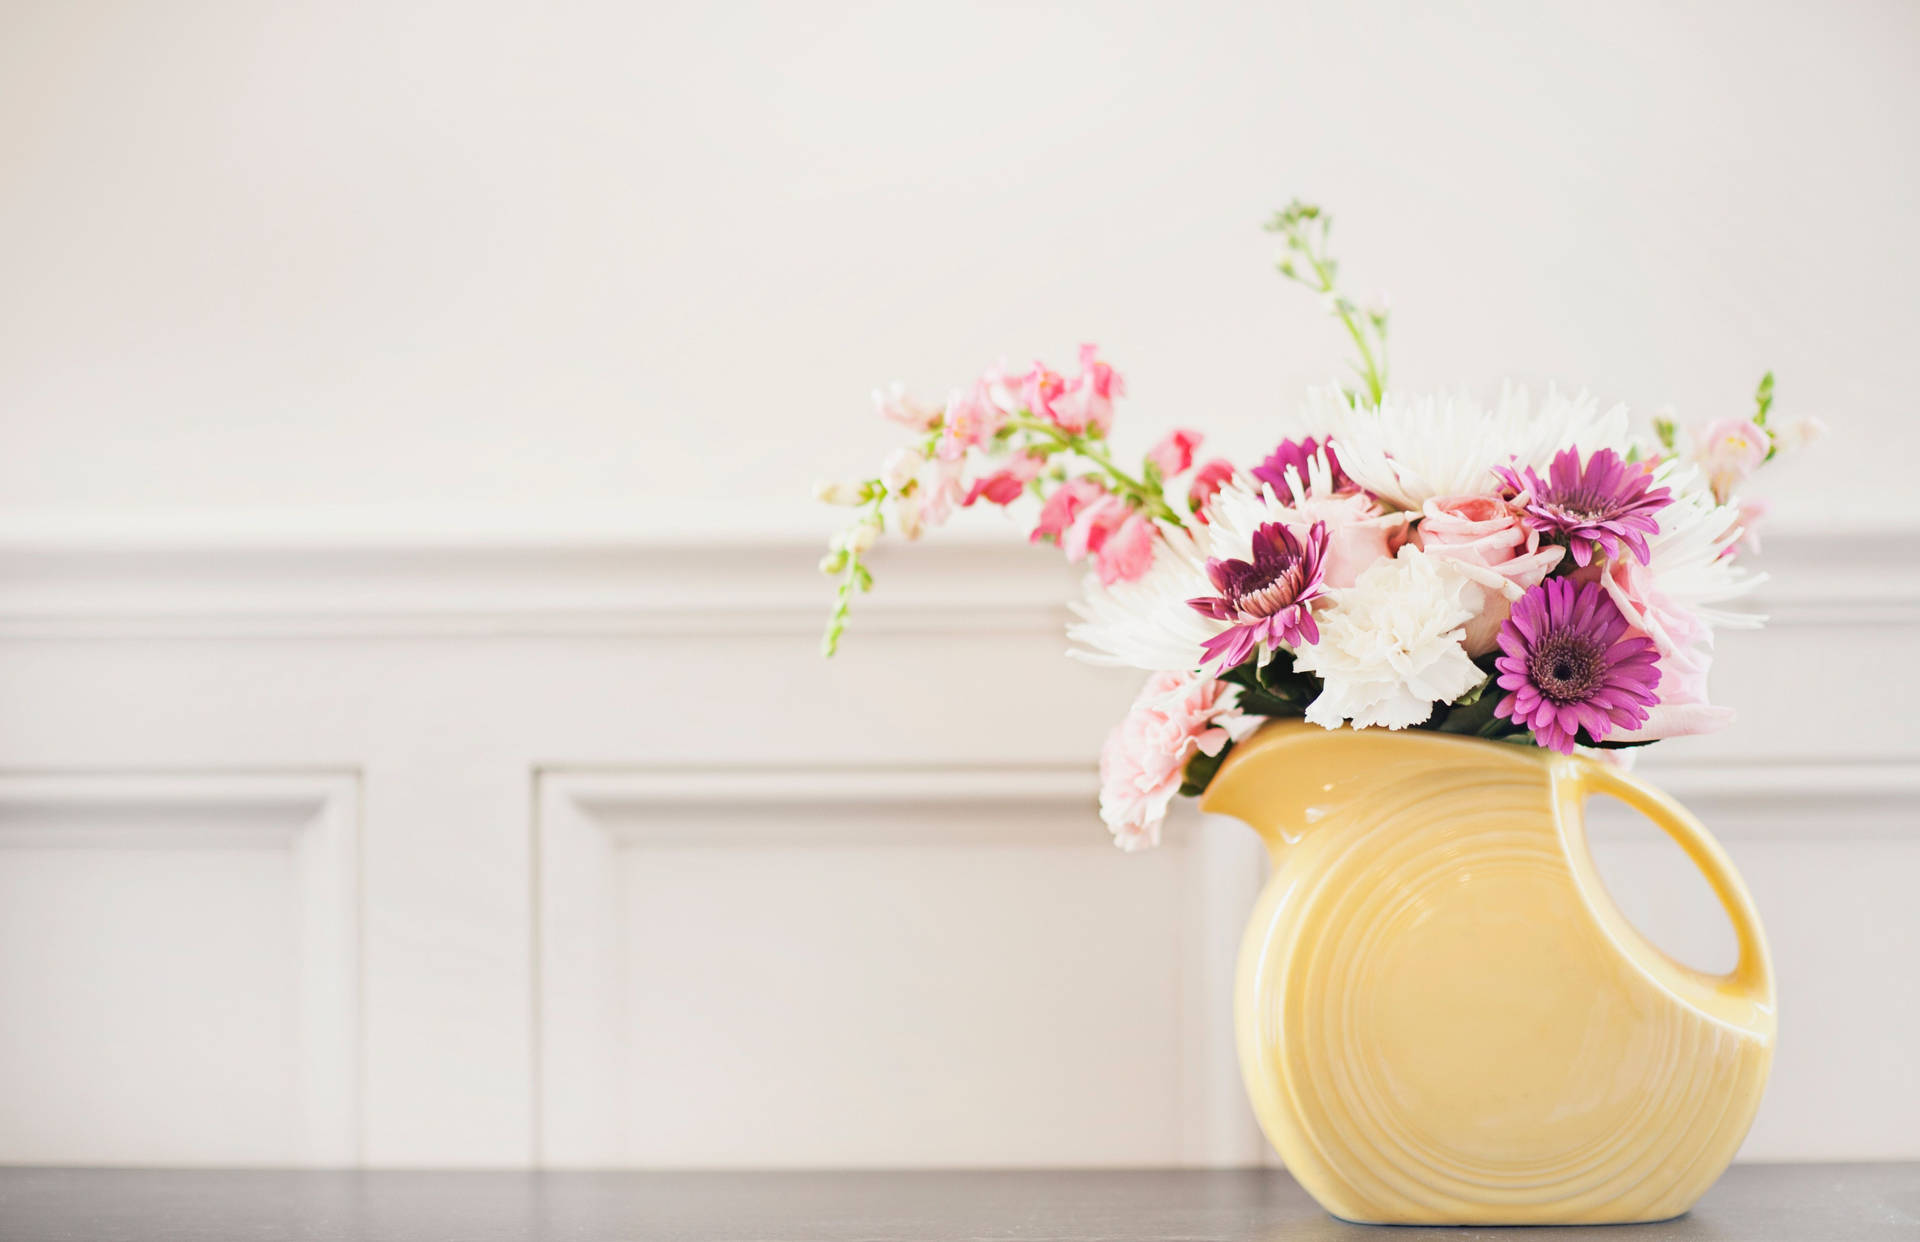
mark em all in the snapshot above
pixel 1294 455
pixel 1266 598
pixel 1608 502
pixel 1569 665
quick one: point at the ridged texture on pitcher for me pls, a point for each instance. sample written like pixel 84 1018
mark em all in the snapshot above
pixel 1442 1017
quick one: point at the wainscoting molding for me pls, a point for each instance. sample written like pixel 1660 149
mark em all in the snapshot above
pixel 237 587
pixel 907 823
pixel 633 878
pixel 312 820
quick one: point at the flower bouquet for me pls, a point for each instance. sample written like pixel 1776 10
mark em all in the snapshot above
pixel 1545 573
pixel 1437 614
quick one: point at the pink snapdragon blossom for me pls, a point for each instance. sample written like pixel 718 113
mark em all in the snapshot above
pixel 972 420
pixel 1207 481
pixel 901 466
pixel 1115 535
pixel 1493 549
pixel 1144 760
pixel 894 404
pixel 936 491
pixel 1729 451
pixel 1085 405
pixel 1039 389
pixel 1009 483
pixel 1174 453
pixel 1057 514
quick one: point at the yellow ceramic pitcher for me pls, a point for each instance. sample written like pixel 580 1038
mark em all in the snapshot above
pixel 1444 1019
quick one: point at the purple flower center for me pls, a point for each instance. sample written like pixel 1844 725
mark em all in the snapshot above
pixel 1571 668
pixel 1602 506
pixel 1568 666
pixel 1264 587
pixel 1264 600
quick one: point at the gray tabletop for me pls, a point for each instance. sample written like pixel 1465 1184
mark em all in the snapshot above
pixel 1752 1203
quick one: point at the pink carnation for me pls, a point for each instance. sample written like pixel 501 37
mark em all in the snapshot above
pixel 1176 716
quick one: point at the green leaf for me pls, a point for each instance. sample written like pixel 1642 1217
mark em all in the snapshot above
pixel 1200 772
pixel 1763 399
pixel 1585 739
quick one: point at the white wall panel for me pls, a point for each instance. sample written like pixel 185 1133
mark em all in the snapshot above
pixel 643 881
pixel 925 967
pixel 179 968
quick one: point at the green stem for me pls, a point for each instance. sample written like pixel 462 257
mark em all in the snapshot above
pixel 1376 381
pixel 1149 497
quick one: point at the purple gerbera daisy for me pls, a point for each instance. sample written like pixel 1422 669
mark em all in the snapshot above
pixel 1608 502
pixel 1294 455
pixel 1266 598
pixel 1570 666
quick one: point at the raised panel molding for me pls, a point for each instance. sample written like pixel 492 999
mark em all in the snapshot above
pixel 313 819
pixel 587 820
pixel 127 584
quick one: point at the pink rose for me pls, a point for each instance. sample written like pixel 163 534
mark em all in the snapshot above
pixel 1684 642
pixel 1360 533
pixel 1683 708
pixel 1174 453
pixel 1144 760
pixel 1486 540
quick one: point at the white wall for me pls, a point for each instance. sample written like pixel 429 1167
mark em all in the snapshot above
pixel 647 260
pixel 411 747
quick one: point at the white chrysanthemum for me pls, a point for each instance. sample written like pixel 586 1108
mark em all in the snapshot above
pixel 1147 623
pixel 1688 562
pixel 1236 511
pixel 1392 645
pixel 1414 449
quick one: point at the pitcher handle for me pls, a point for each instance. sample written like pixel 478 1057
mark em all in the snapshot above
pixel 1575 776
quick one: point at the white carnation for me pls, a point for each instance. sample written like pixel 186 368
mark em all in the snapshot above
pixel 1392 645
